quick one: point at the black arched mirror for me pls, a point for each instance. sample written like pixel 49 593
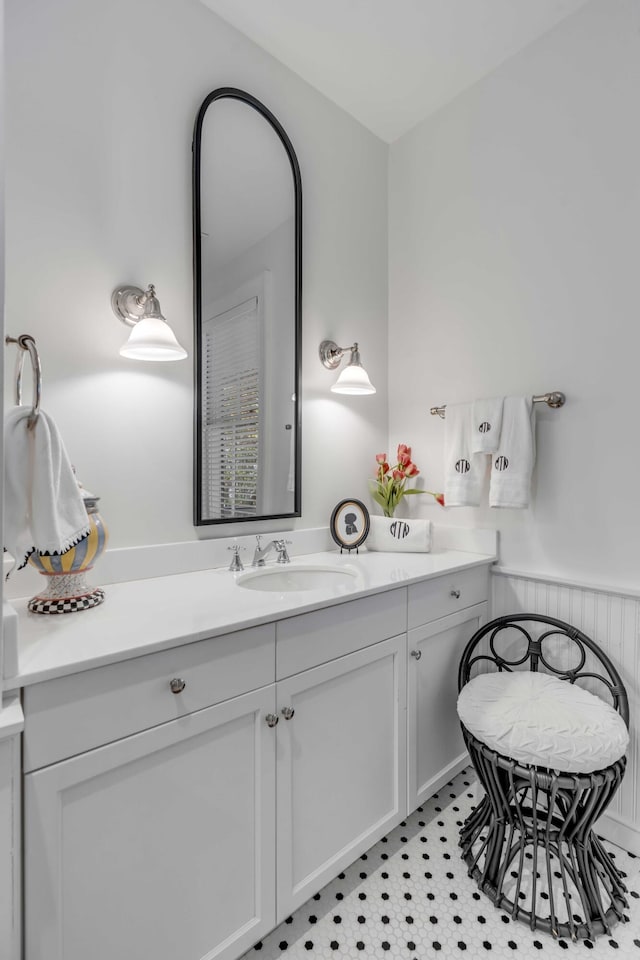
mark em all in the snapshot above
pixel 247 245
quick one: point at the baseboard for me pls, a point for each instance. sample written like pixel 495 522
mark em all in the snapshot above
pixel 448 773
pixel 619 831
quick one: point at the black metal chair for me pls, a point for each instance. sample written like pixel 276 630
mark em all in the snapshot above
pixel 537 816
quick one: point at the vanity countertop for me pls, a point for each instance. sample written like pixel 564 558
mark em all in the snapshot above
pixel 143 616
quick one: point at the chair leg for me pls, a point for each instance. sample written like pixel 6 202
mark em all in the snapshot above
pixel 527 812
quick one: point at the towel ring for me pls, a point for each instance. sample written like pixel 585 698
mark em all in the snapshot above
pixel 27 344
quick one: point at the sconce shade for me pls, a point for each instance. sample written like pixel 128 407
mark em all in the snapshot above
pixel 151 337
pixel 353 380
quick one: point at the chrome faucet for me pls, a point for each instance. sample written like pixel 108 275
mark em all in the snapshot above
pixel 280 546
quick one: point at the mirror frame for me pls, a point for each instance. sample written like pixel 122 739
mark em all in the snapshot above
pixel 236 94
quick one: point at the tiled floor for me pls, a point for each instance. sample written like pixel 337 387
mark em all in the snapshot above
pixel 409 897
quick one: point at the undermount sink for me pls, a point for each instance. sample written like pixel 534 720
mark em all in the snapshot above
pixel 288 578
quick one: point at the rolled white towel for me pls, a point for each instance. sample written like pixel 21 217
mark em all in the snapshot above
pixel 512 463
pixel 44 509
pixel 486 423
pixel 393 535
pixel 463 470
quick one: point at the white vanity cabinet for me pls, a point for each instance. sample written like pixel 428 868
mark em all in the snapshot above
pixel 341 738
pixel 160 844
pixel 178 805
pixel 435 748
pixel 341 765
pixel 11 724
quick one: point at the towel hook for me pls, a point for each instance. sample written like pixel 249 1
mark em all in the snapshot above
pixel 27 344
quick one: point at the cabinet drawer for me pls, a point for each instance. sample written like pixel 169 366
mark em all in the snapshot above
pixel 314 638
pixel 69 715
pixel 436 598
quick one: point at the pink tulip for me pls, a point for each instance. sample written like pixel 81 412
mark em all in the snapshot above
pixel 381 457
pixel 382 469
pixel 440 499
pixel 411 470
pixel 404 454
pixel 398 475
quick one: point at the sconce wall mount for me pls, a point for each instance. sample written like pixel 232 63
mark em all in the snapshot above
pixel 151 337
pixel 353 379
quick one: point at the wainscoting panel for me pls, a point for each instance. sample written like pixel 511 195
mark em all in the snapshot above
pixel 613 621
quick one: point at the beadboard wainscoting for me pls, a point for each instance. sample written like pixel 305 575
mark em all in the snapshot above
pixel 612 619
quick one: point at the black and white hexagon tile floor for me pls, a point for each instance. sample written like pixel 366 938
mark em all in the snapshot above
pixel 409 898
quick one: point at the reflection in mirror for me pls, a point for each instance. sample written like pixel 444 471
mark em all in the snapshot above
pixel 247 289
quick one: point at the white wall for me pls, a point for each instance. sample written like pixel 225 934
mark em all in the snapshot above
pixel 613 620
pixel 101 103
pixel 514 235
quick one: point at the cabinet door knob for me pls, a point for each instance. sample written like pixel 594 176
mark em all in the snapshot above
pixel 177 685
pixel 287 712
pixel 455 594
pixel 416 653
pixel 271 719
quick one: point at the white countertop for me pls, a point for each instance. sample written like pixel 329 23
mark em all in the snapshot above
pixel 143 616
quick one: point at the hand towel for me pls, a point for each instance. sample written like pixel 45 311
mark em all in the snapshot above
pixel 486 422
pixel 462 470
pixel 44 509
pixel 392 535
pixel 512 463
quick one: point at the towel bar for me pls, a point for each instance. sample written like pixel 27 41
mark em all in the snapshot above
pixel 27 344
pixel 554 400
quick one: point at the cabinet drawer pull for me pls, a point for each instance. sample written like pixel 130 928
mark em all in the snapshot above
pixel 416 653
pixel 271 719
pixel 177 685
pixel 455 594
pixel 287 712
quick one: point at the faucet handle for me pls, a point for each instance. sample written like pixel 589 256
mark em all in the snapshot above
pixel 281 547
pixel 236 563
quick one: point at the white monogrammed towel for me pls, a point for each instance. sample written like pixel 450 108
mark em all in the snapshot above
pixel 486 422
pixel 43 508
pixel 512 463
pixel 463 471
pixel 392 535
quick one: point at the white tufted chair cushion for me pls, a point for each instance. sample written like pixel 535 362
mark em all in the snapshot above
pixel 538 719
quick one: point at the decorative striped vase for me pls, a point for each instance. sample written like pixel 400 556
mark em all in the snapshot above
pixel 67 589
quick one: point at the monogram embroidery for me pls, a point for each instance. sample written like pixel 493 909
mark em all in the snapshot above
pixel 399 529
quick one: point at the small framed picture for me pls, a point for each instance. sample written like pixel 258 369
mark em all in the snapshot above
pixel 349 524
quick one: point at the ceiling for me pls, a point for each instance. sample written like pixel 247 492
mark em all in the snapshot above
pixel 391 63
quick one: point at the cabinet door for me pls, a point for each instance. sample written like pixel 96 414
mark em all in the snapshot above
pixel 435 748
pixel 341 781
pixel 10 828
pixel 158 846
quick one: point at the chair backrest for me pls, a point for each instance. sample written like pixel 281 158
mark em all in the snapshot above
pixel 540 649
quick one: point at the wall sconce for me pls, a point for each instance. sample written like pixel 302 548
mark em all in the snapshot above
pixel 151 337
pixel 353 379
